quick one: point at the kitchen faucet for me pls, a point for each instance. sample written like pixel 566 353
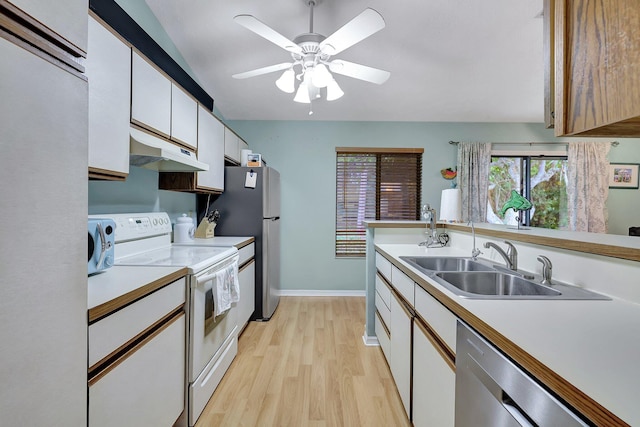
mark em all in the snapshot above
pixel 510 257
pixel 475 251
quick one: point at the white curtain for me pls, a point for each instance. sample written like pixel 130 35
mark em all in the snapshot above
pixel 587 186
pixel 473 179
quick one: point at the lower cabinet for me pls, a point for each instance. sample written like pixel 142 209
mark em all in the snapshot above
pixel 400 350
pixel 137 361
pixel 247 304
pixel 147 387
pixel 434 381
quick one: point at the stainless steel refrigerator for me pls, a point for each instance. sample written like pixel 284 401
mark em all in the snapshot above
pixel 247 211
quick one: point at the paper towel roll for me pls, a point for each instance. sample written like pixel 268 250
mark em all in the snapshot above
pixel 243 157
pixel 451 205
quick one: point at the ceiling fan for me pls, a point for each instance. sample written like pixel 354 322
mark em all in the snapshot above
pixel 312 53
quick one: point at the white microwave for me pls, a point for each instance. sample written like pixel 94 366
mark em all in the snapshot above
pixel 101 235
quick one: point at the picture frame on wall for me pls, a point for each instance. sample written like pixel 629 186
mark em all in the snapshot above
pixel 623 175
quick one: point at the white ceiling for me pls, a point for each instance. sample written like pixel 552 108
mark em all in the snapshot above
pixel 450 60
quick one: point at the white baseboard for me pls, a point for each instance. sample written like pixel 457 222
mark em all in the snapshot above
pixel 371 341
pixel 319 293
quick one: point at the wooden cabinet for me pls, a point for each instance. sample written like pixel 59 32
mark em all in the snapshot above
pixel 383 314
pixel 210 151
pixel 137 361
pixel 433 381
pixel 597 67
pixel 400 350
pixel 150 97
pixel 184 118
pixel 108 68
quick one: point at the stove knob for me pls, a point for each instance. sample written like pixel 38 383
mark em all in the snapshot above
pixel 108 261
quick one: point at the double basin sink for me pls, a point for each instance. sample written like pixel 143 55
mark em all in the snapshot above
pixel 479 279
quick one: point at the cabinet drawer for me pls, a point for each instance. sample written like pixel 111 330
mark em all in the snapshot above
pixel 383 337
pixel 383 310
pixel 383 289
pixel 437 316
pixel 147 387
pixel 403 284
pixel 115 330
pixel 246 253
pixel 384 266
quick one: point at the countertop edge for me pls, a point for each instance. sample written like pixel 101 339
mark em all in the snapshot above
pixel 99 311
pixel 535 236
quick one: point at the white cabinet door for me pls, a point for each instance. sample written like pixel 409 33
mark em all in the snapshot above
pixel 242 145
pixel 43 310
pixel 108 68
pixel 210 150
pixel 433 384
pixel 184 117
pixel 147 388
pixel 400 349
pixel 231 145
pixel 246 305
pixel 150 97
pixel 68 18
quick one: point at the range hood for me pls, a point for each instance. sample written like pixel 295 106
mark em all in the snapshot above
pixel 151 152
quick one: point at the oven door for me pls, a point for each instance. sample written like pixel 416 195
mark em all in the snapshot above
pixel 206 333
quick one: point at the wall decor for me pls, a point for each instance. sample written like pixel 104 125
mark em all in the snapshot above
pixel 623 175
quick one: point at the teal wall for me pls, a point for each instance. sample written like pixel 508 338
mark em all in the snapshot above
pixel 304 153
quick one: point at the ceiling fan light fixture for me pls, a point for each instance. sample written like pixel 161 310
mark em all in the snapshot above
pixel 333 91
pixel 286 82
pixel 321 76
pixel 302 95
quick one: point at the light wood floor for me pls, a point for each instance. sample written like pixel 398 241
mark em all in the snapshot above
pixel 307 366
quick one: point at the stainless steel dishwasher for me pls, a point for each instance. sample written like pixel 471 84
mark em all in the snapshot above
pixel 491 391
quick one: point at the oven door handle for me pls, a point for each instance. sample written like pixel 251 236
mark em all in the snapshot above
pixel 204 279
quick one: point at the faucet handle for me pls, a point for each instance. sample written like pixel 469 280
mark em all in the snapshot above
pixel 511 250
pixel 547 269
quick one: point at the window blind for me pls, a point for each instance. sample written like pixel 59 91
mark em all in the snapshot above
pixel 375 185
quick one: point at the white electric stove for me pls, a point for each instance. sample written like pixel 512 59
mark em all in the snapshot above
pixel 144 239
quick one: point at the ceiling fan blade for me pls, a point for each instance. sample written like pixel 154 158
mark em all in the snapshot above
pixel 263 30
pixel 263 70
pixel 357 71
pixel 359 28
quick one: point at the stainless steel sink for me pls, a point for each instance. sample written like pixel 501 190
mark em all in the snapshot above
pixel 446 264
pixel 495 283
pixel 499 285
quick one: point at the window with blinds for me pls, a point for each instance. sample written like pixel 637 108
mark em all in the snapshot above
pixel 374 184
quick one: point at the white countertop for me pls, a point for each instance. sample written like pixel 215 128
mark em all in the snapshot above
pixel 594 345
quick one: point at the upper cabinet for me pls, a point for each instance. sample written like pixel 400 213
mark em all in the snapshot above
pixel 161 106
pixel 231 145
pixel 211 151
pixel 597 67
pixel 65 19
pixel 150 97
pixel 108 68
pixel 184 118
